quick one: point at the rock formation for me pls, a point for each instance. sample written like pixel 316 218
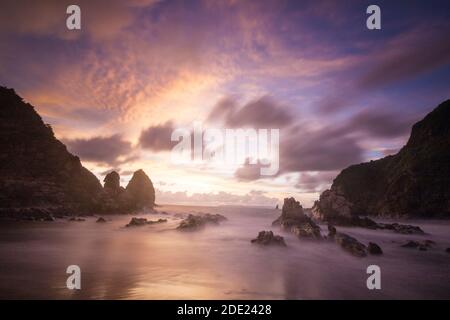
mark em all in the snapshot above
pixel 36 169
pixel 350 244
pixel 295 220
pixel 414 182
pixel 112 183
pixel 373 248
pixel 141 191
pixel 40 179
pixel 137 222
pixel 268 238
pixel 421 245
pixel 195 222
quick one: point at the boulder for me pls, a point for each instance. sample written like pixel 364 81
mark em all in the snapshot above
pixel 194 222
pixel 268 238
pixel 351 245
pixel 294 219
pixel 373 248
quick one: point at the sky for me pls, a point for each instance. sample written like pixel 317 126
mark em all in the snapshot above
pixel 338 93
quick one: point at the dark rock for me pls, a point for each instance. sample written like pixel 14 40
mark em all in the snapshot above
pixel 36 169
pixel 411 244
pixel 157 221
pixel 331 231
pixel 194 222
pixel 39 174
pixel 413 182
pixel 421 245
pixel 101 220
pixel 401 228
pixel 447 250
pixel 268 238
pixel 373 248
pixel 77 219
pixel 295 220
pixel 112 182
pixel 137 222
pixel 332 206
pixel 351 245
pixel 49 218
pixel 141 191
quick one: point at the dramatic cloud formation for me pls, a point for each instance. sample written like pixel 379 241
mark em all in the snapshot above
pixel 262 113
pixel 378 123
pixel 320 150
pixel 339 93
pixel 108 150
pixel 315 182
pixel 402 59
pixel 157 138
pixel 102 19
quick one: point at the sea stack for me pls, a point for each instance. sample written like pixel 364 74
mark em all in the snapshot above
pixel 140 190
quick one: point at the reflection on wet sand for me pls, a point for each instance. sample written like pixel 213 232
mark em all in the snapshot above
pixel 159 262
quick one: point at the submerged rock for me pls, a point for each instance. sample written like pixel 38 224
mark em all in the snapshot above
pixel 373 248
pixel 401 228
pixel 421 245
pixel 101 220
pixel 137 222
pixel 447 250
pixel 295 220
pixel 351 245
pixel 193 222
pixel 77 219
pixel 331 231
pixel 268 238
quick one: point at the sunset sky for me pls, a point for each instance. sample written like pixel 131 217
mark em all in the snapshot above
pixel 339 93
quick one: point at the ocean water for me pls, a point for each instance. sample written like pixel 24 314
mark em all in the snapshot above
pixel 218 262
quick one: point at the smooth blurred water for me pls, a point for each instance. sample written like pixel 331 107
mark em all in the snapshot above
pixel 219 262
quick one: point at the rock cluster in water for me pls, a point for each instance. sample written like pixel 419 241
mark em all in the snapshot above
pixel 138 222
pixel 421 245
pixel 335 209
pixel 268 238
pixel 195 222
pixel 295 220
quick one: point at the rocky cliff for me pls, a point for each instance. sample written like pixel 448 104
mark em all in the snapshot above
pixel 36 169
pixel 38 174
pixel 413 183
